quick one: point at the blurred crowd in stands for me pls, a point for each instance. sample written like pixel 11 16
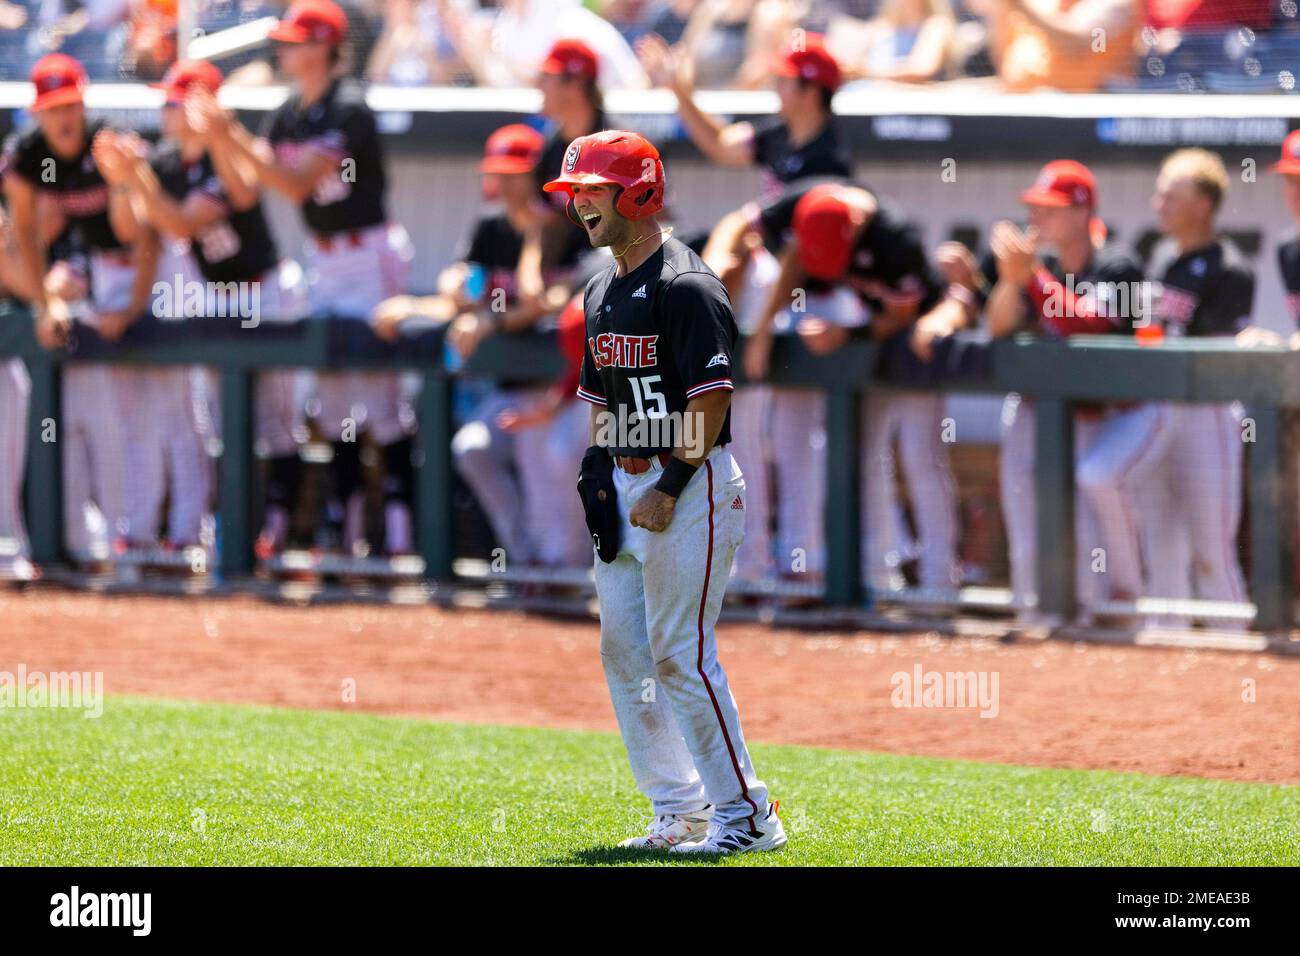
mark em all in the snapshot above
pixel 1072 45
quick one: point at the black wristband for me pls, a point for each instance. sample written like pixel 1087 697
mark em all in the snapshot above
pixel 675 477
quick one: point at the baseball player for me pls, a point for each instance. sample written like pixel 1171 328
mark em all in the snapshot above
pixel 801 142
pixel 15 399
pixel 321 149
pixel 659 339
pixel 507 282
pixel 1168 474
pixel 100 402
pixel 1288 252
pixel 571 101
pixel 836 234
pixel 212 203
pixel 1059 277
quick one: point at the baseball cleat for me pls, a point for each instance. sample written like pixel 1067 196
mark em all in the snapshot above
pixel 669 831
pixel 738 838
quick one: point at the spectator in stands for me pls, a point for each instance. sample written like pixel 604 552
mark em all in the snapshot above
pixel 909 41
pixel 151 47
pixel 508 49
pixel 405 54
pixel 1070 45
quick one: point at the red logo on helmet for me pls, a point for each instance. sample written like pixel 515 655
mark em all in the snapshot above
pixel 571 157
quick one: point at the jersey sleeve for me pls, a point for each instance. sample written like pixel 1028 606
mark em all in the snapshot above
pixel 762 139
pixel 907 279
pixel 590 388
pixel 774 219
pixel 356 126
pixel 272 126
pixel 477 249
pixel 701 332
pixel 18 160
pixel 1227 308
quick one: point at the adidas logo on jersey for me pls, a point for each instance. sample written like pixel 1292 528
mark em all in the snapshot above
pixel 719 359
pixel 639 293
pixel 738 504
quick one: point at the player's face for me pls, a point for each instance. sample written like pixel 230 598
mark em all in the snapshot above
pixel 1291 193
pixel 1057 224
pixel 790 93
pixel 515 190
pixel 174 126
pixel 551 87
pixel 1179 205
pixel 64 128
pixel 302 60
pixel 595 207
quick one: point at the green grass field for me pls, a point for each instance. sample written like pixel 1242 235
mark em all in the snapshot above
pixel 159 782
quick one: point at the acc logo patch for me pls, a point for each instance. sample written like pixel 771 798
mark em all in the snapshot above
pixel 571 157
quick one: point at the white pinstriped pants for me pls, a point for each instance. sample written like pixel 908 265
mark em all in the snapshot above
pixel 659 601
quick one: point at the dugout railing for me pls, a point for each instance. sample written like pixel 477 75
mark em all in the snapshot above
pixel 1055 373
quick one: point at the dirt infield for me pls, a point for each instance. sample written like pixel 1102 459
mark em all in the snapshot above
pixel 1230 715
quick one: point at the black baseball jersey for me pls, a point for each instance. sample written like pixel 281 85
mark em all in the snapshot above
pixel 495 245
pixel 1112 280
pixel 552 160
pixel 81 191
pixel 1288 261
pixel 656 338
pixel 235 248
pixel 341 127
pixel 888 265
pixel 1208 291
pixel 783 162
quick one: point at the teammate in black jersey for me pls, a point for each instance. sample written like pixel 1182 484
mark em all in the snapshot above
pixel 53 161
pixel 506 281
pixel 322 150
pixel 212 202
pixel 801 142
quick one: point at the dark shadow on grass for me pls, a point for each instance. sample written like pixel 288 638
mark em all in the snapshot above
pixel 607 855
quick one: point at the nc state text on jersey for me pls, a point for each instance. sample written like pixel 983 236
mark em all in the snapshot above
pixel 616 350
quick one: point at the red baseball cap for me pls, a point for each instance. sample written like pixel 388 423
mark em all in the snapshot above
pixel 825 224
pixel 59 79
pixel 808 59
pixel 572 58
pixel 512 149
pixel 312 21
pixel 185 74
pixel 1289 164
pixel 1062 182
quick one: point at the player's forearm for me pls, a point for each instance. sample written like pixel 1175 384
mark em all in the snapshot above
pixel 1005 309
pixel 726 242
pixel 706 413
pixel 290 183
pixel 144 259
pixel 779 296
pixel 160 210
pixel 704 130
pixel 31 255
pixel 238 179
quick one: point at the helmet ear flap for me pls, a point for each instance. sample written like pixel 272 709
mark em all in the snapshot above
pixel 644 198
pixel 571 210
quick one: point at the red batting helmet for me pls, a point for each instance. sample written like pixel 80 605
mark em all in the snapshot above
pixel 624 159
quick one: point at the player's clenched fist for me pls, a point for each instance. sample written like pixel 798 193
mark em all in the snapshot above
pixel 653 511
